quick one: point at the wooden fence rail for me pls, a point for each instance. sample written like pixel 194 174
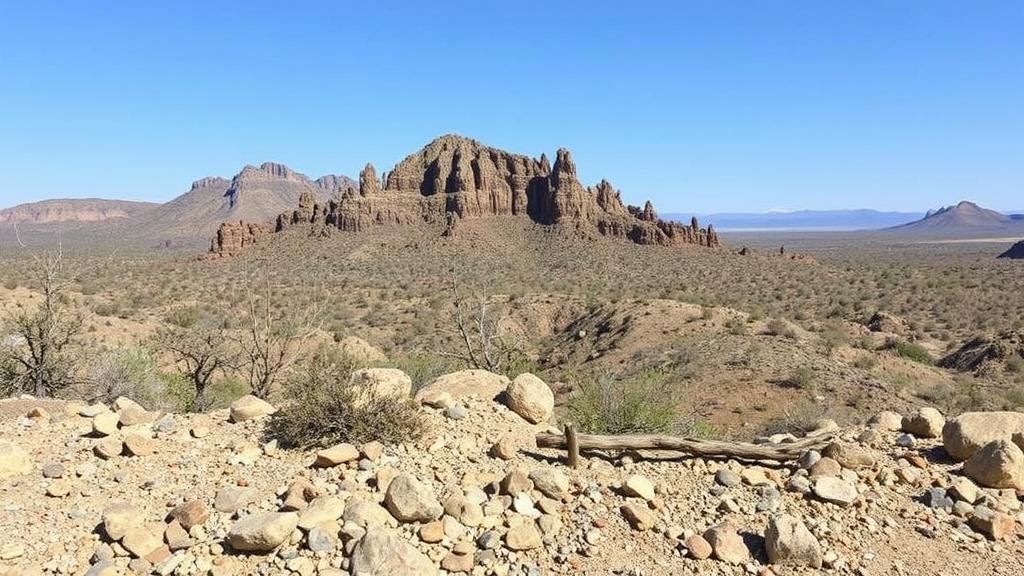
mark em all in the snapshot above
pixel 574 442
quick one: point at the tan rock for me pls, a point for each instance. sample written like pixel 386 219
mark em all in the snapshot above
pixel 262 532
pixel 336 455
pixel 410 500
pixel 105 423
pixel 381 383
pixel 139 445
pixel 727 544
pixel 638 486
pixel 995 525
pixel 698 547
pixel 249 407
pixel 142 541
pixel 14 461
pixel 191 513
pixel 383 553
pixel 109 447
pixel 788 542
pixel 999 464
pixel 457 385
pixel 524 536
pixel 926 422
pixel 119 518
pixel 639 516
pixel 531 398
pixel 969 432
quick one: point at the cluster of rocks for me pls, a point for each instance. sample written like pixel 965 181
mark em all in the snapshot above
pixel 455 177
pixel 476 495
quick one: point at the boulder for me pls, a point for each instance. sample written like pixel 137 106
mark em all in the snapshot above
pixel 141 541
pixel 531 398
pixel 479 383
pixel 383 553
pixel 886 420
pixel 926 422
pixel 14 461
pixel 249 407
pixel 787 541
pixel 967 433
pixel 999 464
pixel 409 500
pixel 262 532
pixel 380 383
pixel 361 351
pixel 139 445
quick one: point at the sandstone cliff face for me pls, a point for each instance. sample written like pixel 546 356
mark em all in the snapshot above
pixel 455 178
pixel 233 237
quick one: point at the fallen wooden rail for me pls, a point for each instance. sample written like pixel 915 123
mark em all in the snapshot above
pixel 574 442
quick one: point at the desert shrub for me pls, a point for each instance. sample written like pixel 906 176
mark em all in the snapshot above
pixel 610 405
pixel 865 362
pixel 779 327
pixel 130 372
pixel 1015 365
pixel 318 407
pixel 911 351
pixel 802 378
pixel 425 368
pixel 798 419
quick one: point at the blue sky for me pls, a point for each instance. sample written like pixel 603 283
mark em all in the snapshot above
pixel 701 106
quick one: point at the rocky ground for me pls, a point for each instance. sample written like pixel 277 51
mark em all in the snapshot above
pixel 119 490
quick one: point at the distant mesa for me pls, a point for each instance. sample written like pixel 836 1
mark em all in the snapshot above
pixel 455 178
pixel 72 210
pixel 1016 252
pixel 965 218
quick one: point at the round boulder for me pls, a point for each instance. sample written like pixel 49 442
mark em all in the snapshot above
pixel 531 398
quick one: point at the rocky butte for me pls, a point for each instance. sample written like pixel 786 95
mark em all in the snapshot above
pixel 455 178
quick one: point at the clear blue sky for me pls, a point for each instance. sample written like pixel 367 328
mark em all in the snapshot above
pixel 700 106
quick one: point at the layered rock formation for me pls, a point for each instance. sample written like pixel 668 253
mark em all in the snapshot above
pixel 455 178
pixel 72 210
pixel 233 237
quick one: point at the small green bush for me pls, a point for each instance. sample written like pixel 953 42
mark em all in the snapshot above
pixel 913 352
pixel 609 405
pixel 320 408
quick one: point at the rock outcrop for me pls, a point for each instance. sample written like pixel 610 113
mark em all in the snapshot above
pixel 233 237
pixel 455 178
pixel 1015 252
pixel 978 354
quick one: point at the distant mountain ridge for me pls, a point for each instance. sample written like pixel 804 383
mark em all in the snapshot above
pixel 73 210
pixel 962 219
pixel 855 219
pixel 256 193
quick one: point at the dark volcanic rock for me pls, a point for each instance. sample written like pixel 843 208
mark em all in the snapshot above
pixel 1016 252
